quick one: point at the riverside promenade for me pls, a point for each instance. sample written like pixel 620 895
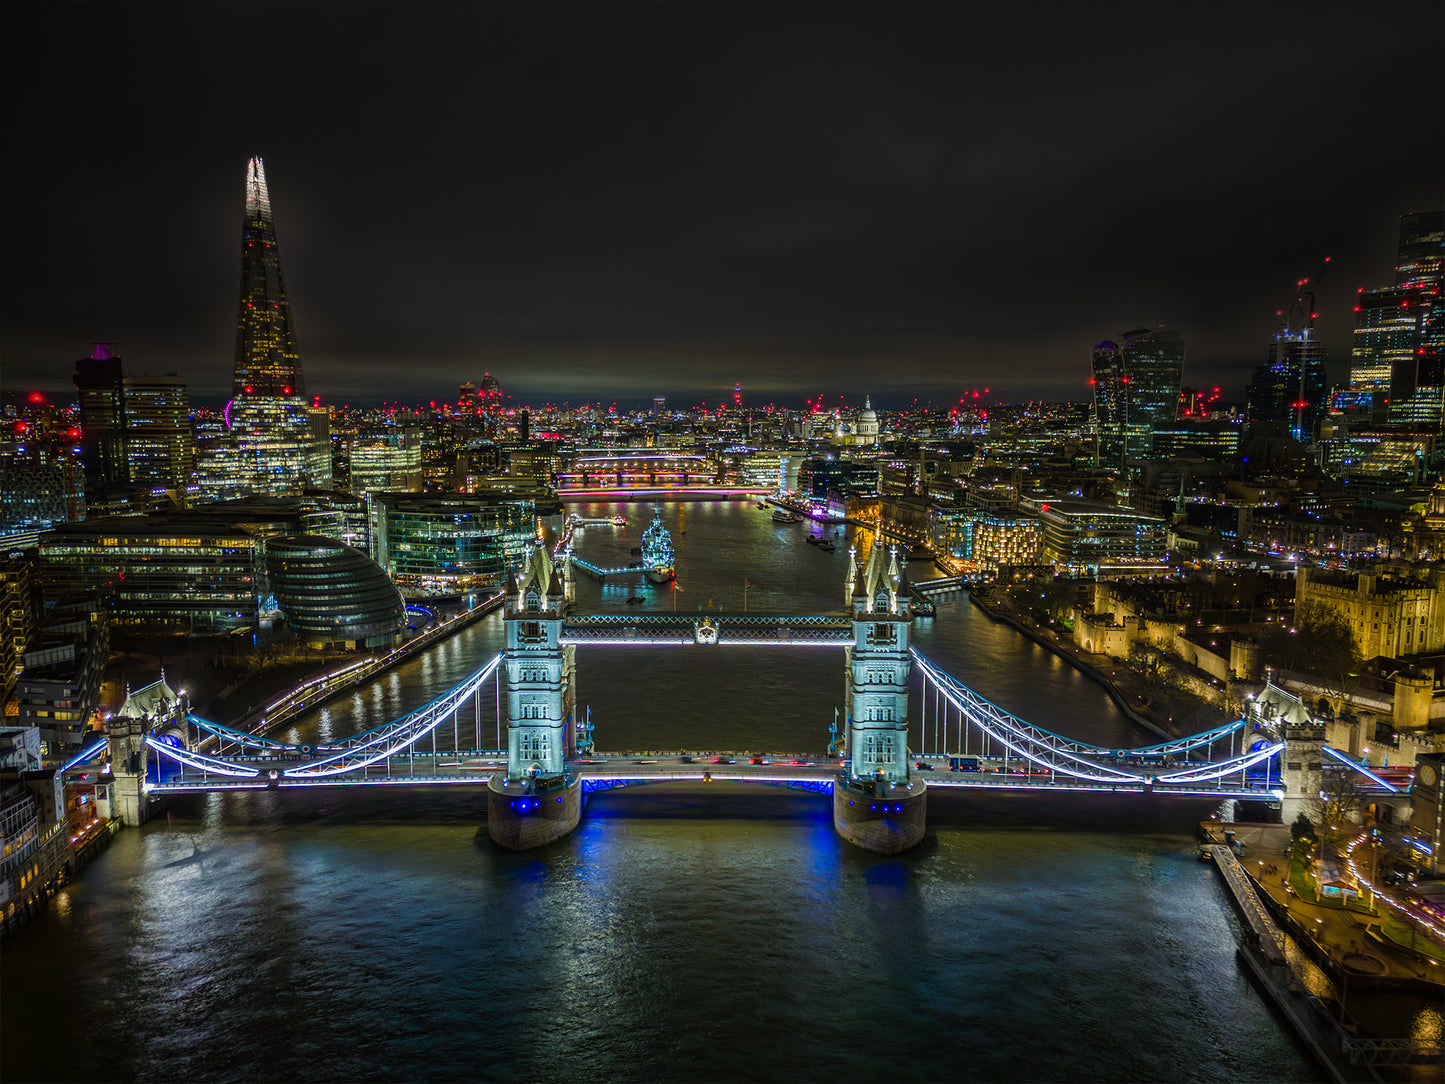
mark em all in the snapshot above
pixel 1322 965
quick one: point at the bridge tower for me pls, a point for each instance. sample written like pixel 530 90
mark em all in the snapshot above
pixel 1282 716
pixel 1301 773
pixel 877 804
pixel 537 800
pixel 126 794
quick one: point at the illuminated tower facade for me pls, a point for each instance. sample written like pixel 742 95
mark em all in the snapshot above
pixel 267 363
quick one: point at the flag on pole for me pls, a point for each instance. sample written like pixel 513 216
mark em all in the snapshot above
pixel 746 584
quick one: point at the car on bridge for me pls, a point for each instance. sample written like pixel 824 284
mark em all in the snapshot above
pixel 760 760
pixel 923 766
pixel 801 763
pixel 686 759
pixel 722 760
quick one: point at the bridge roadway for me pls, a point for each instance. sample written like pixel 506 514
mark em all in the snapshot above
pixel 605 770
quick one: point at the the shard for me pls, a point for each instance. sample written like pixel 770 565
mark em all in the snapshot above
pixel 267 363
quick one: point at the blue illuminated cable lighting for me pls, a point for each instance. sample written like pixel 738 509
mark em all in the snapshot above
pixel 401 735
pixel 220 730
pixel 85 754
pixel 1008 726
pixel 200 761
pixel 982 712
pixel 391 738
pixel 1223 767
pixel 458 693
pixel 1343 759
pixel 943 679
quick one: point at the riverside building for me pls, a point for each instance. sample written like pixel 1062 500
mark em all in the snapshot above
pixel 159 573
pixel 1089 538
pixel 450 543
pixel 332 594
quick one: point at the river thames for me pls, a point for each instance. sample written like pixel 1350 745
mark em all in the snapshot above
pixel 683 932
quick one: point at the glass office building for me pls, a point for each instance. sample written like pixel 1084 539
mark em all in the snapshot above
pixel 332 594
pixel 1292 387
pixel 267 362
pixel 160 573
pixel 277 442
pixel 386 458
pixel 1136 390
pixel 1087 538
pixel 449 543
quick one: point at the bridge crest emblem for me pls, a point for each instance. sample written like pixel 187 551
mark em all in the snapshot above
pixel 705 632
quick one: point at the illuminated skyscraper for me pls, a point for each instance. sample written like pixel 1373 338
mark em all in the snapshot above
pixel 266 359
pixel 1136 390
pixel 1398 353
pixel 137 429
pixel 467 398
pixel 1420 260
pixel 1384 338
pixel 1292 387
pixel 277 443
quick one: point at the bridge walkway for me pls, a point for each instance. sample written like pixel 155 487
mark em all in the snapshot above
pixel 476 766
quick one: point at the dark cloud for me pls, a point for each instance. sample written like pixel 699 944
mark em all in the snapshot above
pixel 604 200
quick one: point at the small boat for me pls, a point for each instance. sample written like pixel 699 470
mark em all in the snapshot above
pixel 762 504
pixel 636 600
pixel 782 515
pixel 826 546
pixel 813 541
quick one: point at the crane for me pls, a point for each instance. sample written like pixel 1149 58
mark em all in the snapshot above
pixel 1298 324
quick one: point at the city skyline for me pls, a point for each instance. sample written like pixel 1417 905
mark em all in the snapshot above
pixel 616 202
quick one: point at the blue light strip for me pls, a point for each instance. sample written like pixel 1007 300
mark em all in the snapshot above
pixel 85 754
pixel 200 761
pixel 1344 759
pixel 240 737
pixel 1007 726
pixel 943 679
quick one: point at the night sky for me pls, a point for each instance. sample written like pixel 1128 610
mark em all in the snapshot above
pixel 615 201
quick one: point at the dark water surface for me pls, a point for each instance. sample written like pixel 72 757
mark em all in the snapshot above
pixel 682 933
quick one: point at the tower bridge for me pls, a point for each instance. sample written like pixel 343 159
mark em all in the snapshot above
pixel 537 762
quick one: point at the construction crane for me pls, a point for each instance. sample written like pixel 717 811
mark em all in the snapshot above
pixel 1301 313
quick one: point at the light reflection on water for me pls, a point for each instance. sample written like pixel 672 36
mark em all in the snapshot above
pixel 681 933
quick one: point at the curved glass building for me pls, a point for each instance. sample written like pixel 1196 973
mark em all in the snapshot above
pixel 331 593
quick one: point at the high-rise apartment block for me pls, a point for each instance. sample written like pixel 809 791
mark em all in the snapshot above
pixel 1136 390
